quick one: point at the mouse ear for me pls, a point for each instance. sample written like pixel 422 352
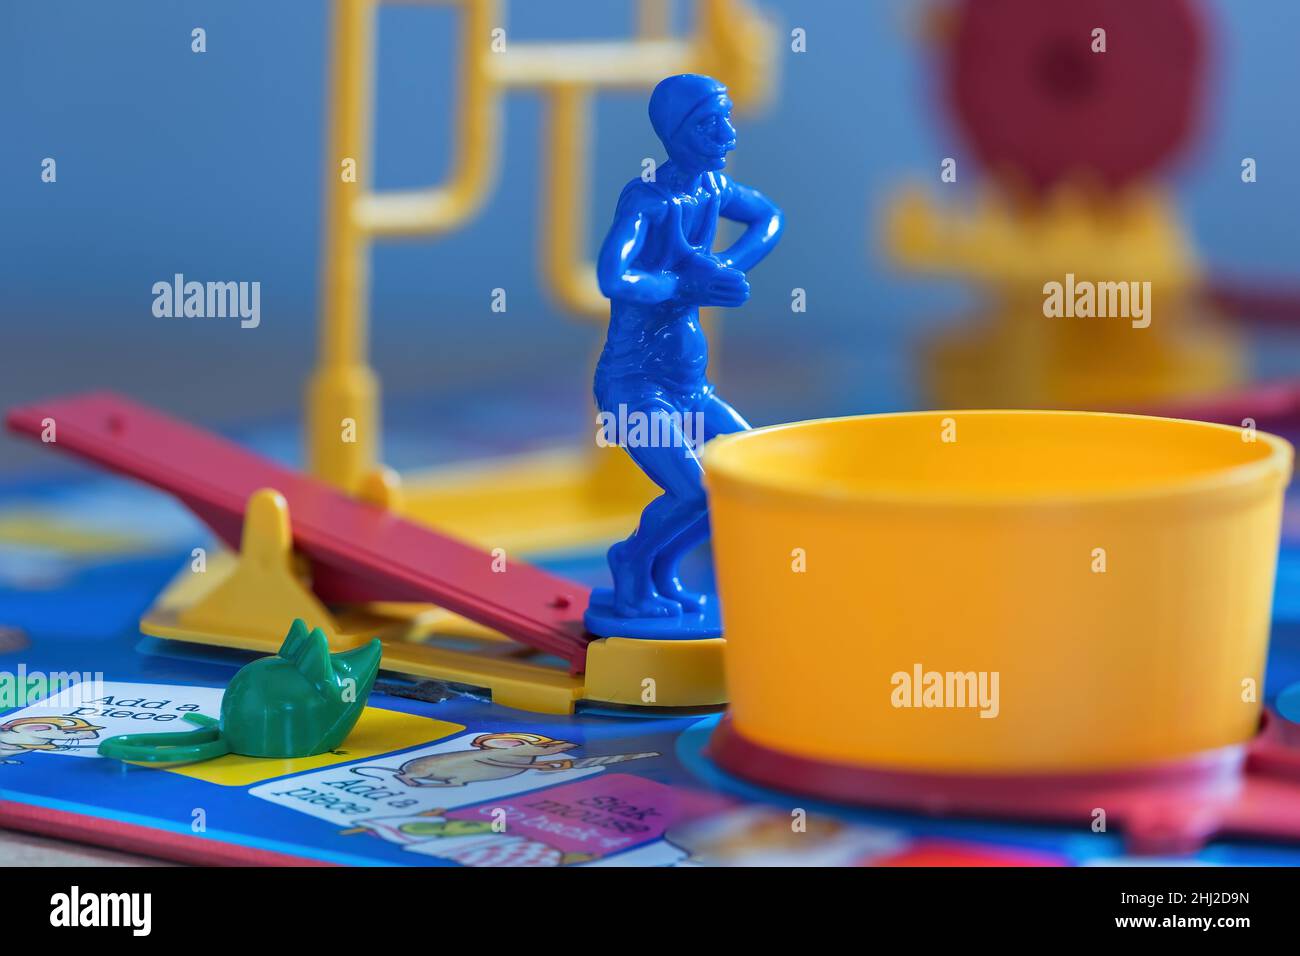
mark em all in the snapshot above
pixel 313 658
pixel 294 640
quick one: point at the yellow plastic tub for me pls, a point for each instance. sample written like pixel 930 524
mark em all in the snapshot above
pixel 1115 572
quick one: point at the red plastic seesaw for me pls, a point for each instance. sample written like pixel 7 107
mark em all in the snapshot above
pixel 358 551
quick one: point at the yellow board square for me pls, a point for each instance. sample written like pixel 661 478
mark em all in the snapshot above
pixel 377 732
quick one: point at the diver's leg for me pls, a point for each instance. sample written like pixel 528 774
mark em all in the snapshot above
pixel 716 418
pixel 674 467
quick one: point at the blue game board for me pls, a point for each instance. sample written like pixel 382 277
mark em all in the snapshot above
pixel 627 789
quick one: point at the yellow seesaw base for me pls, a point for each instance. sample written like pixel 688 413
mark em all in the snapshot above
pixel 242 601
pixel 549 501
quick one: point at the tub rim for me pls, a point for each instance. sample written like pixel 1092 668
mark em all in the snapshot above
pixel 1240 478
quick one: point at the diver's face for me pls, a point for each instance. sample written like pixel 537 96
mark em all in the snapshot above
pixel 707 136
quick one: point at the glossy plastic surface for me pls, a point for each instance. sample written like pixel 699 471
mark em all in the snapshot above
pixel 657 267
pixel 301 702
pixel 358 552
pixel 1112 573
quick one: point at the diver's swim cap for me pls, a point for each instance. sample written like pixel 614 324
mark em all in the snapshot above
pixel 677 97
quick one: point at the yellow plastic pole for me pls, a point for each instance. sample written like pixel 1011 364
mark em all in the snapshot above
pixel 565 203
pixel 441 208
pixel 343 393
pixel 732 42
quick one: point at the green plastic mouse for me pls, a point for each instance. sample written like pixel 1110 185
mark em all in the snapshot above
pixel 301 702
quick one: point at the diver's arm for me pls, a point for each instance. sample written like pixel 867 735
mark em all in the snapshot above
pixel 618 280
pixel 763 223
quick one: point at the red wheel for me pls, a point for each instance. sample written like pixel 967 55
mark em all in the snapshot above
pixel 1038 105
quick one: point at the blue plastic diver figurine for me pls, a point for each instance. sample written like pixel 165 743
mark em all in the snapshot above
pixel 657 267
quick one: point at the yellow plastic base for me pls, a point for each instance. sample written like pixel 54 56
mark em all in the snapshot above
pixel 548 501
pixel 621 671
pixel 493 663
pixel 1006 361
pixel 1015 356
pixel 243 601
pixel 641 673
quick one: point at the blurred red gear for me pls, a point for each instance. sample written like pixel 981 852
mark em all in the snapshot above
pixel 1039 106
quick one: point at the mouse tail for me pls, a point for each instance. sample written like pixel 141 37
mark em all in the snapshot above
pixel 201 744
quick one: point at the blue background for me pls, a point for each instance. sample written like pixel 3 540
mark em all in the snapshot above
pixel 211 165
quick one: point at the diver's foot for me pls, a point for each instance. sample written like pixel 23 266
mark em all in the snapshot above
pixel 692 602
pixel 634 595
pixel 606 617
pixel 647 605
